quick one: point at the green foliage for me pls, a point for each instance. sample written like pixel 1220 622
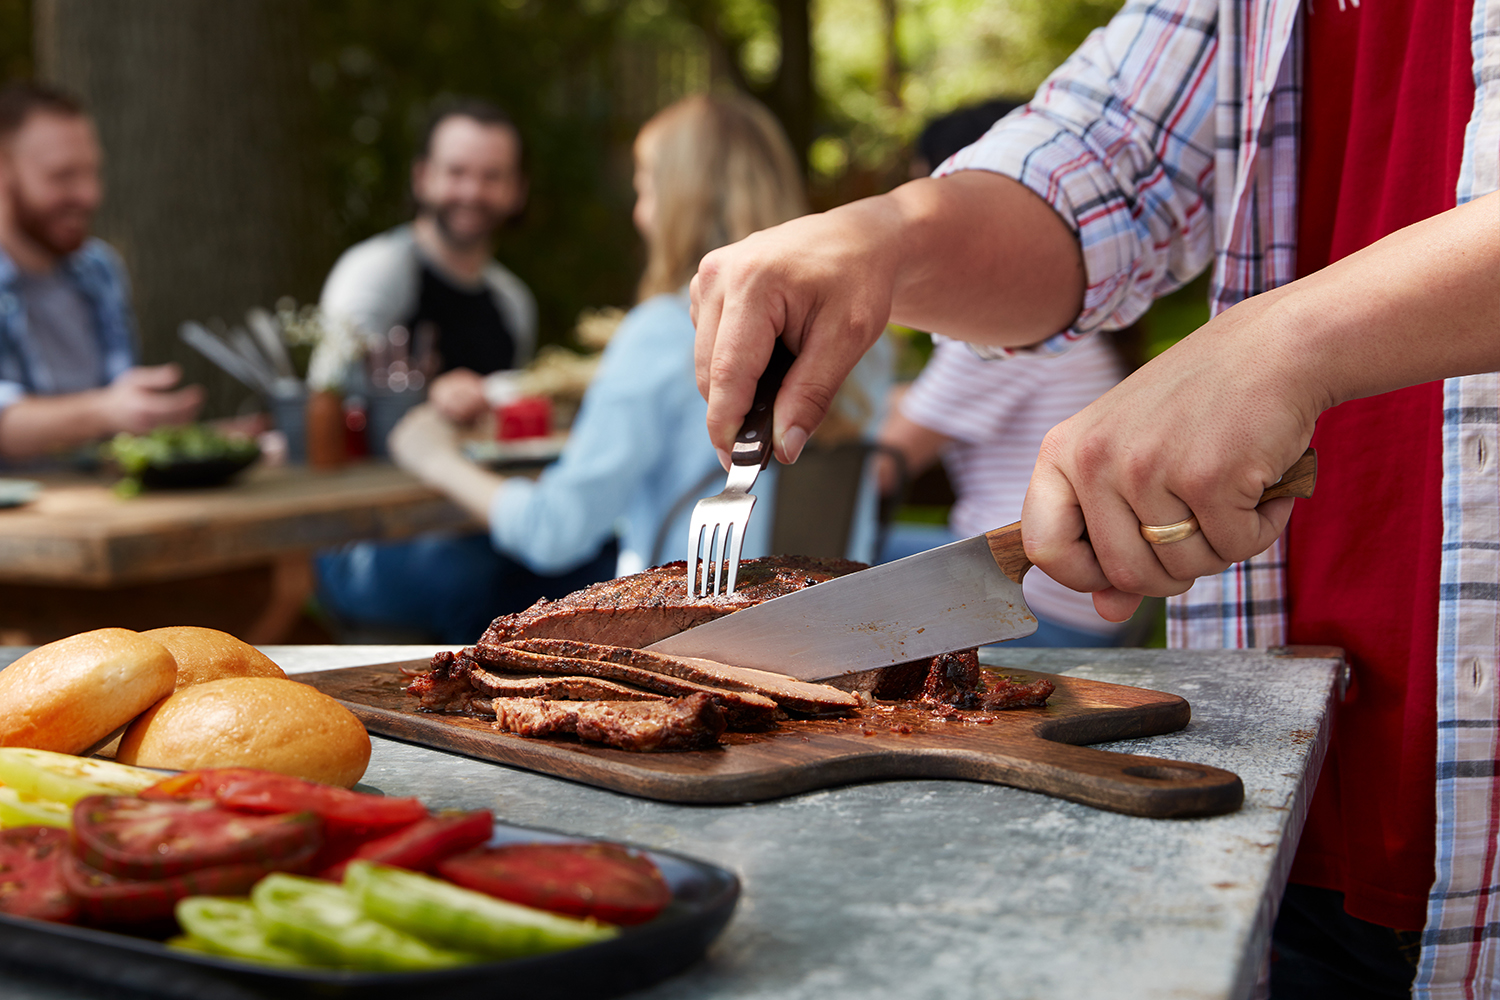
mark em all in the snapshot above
pixel 881 79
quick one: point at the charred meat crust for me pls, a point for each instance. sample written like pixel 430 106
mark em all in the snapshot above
pixel 637 610
pixel 791 694
pixel 446 687
pixel 688 723
pixel 743 709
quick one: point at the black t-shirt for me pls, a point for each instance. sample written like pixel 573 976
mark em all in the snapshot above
pixel 471 332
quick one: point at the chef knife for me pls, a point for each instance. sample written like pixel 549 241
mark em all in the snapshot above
pixel 964 594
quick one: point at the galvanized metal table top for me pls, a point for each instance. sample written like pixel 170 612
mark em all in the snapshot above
pixel 945 890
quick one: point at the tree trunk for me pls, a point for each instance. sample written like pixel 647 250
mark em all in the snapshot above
pixel 204 112
pixel 792 96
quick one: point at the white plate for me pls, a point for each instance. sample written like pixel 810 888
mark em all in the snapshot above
pixel 526 451
pixel 15 492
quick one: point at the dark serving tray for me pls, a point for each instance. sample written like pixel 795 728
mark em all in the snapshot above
pixel 703 897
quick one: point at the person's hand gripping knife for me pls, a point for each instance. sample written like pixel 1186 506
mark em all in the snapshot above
pixel 1198 432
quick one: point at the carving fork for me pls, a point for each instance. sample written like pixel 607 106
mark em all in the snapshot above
pixel 717 529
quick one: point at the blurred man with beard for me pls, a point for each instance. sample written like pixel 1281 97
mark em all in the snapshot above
pixel 438 270
pixel 67 347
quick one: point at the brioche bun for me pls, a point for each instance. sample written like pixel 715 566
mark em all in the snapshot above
pixel 70 694
pixel 264 722
pixel 206 654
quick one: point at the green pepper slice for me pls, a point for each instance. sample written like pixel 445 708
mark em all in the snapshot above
pixel 231 927
pixel 323 922
pixel 452 917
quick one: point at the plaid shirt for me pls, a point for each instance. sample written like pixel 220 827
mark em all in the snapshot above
pixel 100 276
pixel 1169 139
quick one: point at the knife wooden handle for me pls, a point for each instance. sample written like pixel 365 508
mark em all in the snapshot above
pixel 1010 555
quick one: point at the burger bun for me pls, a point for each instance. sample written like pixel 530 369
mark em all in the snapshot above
pixel 263 722
pixel 206 654
pixel 69 695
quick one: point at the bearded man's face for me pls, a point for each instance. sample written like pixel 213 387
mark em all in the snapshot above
pixel 470 183
pixel 49 178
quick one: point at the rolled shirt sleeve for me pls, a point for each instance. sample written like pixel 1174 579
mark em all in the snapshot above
pixel 1119 140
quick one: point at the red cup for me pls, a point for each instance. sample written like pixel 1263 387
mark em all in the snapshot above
pixel 527 417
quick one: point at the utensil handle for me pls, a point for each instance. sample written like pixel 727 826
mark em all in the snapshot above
pixel 752 445
pixel 1010 555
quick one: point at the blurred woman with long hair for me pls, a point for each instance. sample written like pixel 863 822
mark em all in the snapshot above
pixel 709 170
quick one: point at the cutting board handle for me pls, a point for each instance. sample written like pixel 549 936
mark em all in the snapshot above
pixel 1010 554
pixel 1132 784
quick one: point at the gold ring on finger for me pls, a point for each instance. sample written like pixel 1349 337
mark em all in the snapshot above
pixel 1164 534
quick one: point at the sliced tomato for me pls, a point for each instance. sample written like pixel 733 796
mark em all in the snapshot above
pixel 31 874
pixel 111 900
pixel 420 846
pixel 266 792
pixel 599 880
pixel 138 838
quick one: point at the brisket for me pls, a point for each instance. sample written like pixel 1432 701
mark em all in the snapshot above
pixel 789 693
pixel 743 709
pixel 446 687
pixel 492 685
pixel 638 610
pixel 689 723
pixel 1006 693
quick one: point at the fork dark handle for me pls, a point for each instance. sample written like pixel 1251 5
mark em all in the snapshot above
pixel 752 445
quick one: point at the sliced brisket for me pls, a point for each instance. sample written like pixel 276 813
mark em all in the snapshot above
pixel 689 723
pixel 743 709
pixel 789 693
pixel 493 685
pixel 637 610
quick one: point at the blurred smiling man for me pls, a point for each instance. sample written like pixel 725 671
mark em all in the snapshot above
pixel 467 183
pixel 67 347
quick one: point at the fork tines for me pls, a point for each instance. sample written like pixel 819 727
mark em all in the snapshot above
pixel 716 535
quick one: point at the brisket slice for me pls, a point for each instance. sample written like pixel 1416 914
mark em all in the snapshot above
pixel 637 610
pixel 743 709
pixel 492 685
pixel 689 723
pixel 789 693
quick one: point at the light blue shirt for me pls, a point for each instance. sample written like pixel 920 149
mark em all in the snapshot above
pixel 638 447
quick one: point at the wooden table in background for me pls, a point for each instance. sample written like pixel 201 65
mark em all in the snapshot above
pixel 234 557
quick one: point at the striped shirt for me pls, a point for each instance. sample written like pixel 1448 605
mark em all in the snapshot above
pixel 997 415
pixel 1169 140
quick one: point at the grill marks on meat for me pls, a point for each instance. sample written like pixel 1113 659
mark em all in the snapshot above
pixel 743 709
pixel 789 693
pixel 637 610
pixel 688 723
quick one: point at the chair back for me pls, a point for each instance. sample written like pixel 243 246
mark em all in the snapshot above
pixel 816 500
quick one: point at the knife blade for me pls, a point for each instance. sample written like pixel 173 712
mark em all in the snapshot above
pixel 966 593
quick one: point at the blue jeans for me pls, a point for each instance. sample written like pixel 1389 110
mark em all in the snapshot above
pixel 902 540
pixel 448 588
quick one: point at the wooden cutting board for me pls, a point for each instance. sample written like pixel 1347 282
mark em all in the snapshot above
pixel 1038 749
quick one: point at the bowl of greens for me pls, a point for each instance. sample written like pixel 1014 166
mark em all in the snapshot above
pixel 195 455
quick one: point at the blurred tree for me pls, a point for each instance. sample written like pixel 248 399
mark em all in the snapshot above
pixel 15 40
pixel 201 109
pixel 249 143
